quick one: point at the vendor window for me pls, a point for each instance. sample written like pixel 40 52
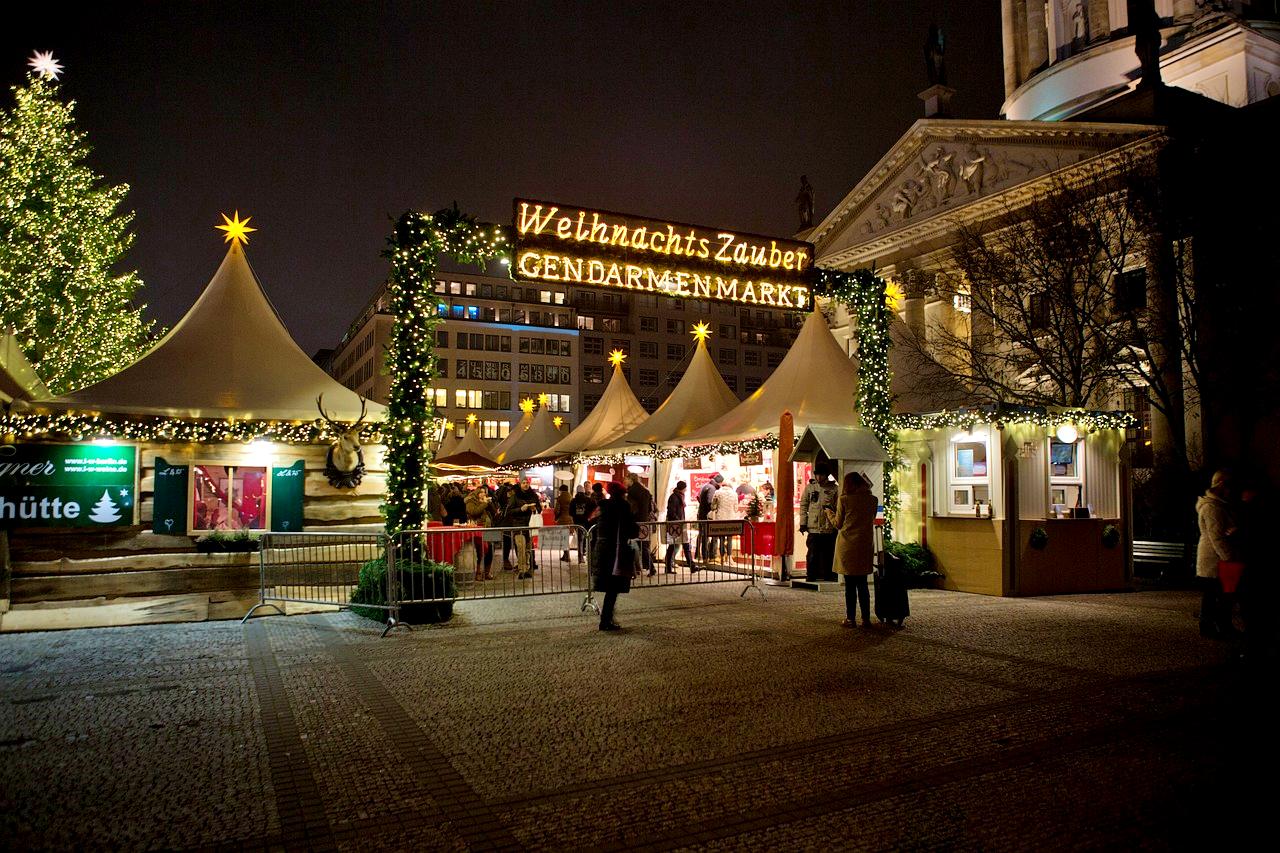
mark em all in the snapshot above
pixel 969 479
pixel 228 498
pixel 1066 475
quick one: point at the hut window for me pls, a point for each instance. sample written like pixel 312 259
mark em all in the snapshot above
pixel 1066 473
pixel 968 472
pixel 229 498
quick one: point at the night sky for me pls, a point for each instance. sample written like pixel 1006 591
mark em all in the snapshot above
pixel 325 121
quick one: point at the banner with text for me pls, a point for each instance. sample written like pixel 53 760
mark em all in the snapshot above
pixel 575 245
pixel 67 485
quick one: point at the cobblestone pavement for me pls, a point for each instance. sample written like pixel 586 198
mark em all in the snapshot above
pixel 711 722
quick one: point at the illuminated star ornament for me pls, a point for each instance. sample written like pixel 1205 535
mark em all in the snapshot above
pixel 44 65
pixel 543 399
pixel 237 229
pixel 557 421
pixel 471 418
pixel 893 296
pixel 617 357
pixel 526 405
pixel 702 331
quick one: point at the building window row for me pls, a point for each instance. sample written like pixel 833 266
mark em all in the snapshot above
pixel 474 398
pixel 490 371
pixel 550 346
pixel 518 316
pixel 551 374
pixel 475 341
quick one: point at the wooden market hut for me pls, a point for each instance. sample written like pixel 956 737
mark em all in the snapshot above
pixel 1018 501
pixel 228 372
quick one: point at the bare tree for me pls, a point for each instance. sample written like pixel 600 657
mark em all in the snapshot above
pixel 1071 297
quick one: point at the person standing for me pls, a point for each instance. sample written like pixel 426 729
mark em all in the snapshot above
pixel 724 507
pixel 641 501
pixel 705 494
pixel 580 509
pixel 1216 525
pixel 819 497
pixel 480 513
pixel 675 529
pixel 855 519
pixel 564 517
pixel 614 563
pixel 523 504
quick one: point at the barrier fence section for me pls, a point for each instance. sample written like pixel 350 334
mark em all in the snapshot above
pixel 317 569
pixel 676 553
pixel 490 562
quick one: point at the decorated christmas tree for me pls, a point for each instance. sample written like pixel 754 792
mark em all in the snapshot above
pixel 61 236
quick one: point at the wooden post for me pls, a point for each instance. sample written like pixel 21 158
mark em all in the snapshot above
pixel 784 521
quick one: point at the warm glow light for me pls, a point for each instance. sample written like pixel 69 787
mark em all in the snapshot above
pixel 893 296
pixel 617 357
pixel 544 399
pixel 557 421
pixel 526 405
pixel 237 229
pixel 1067 433
pixel 702 331
pixel 471 418
pixel 44 65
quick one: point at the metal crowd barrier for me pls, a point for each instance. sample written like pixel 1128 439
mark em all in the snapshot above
pixel 316 569
pixel 679 553
pixel 492 562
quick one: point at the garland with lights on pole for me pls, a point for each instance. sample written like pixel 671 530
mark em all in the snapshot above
pixel 414 250
pixel 871 302
pixel 85 427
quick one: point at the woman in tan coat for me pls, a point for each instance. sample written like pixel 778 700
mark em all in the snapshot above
pixel 855 518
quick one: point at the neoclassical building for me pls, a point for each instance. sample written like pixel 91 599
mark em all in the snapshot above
pixel 1077 107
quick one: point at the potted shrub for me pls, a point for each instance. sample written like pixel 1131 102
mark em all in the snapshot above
pixel 418 579
pixel 917 563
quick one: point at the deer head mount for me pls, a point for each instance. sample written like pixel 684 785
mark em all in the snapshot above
pixel 344 463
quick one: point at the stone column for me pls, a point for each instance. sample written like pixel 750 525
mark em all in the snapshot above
pixel 1037 35
pixel 914 291
pixel 1009 39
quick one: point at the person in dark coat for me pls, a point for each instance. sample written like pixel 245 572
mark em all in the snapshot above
pixel 705 494
pixel 580 509
pixel 676 531
pixel 615 558
pixel 641 501
pixel 455 507
pixel 855 519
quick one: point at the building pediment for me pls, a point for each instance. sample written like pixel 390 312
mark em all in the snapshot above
pixel 940 167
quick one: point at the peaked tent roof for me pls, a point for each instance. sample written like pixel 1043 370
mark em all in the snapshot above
pixel 540 435
pixel 470 451
pixel 18 379
pixel 617 413
pixel 499 453
pixel 448 444
pixel 816 381
pixel 699 398
pixel 229 357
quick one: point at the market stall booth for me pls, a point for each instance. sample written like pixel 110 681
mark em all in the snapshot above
pixel 525 454
pixel 469 457
pixel 224 427
pixel 1017 501
pixel 817 383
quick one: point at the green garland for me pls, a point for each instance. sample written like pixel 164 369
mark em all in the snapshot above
pixel 863 293
pixel 415 250
pixel 77 427
pixel 1001 416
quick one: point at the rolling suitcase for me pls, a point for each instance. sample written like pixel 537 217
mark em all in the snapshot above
pixel 890 583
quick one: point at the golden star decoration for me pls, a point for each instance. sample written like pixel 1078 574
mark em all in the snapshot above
pixel 543 399
pixel 471 418
pixel 557 421
pixel 617 357
pixel 893 296
pixel 237 229
pixel 702 331
pixel 526 405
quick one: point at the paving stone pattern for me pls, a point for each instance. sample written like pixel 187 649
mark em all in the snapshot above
pixel 712 722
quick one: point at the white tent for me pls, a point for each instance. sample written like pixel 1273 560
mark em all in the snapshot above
pixel 816 381
pixel 448 444
pixel 499 453
pixel 699 398
pixel 18 379
pixel 229 357
pixel 617 413
pixel 542 433
pixel 470 450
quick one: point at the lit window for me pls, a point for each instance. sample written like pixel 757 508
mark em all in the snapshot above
pixel 471 288
pixel 473 312
pixel 228 498
pixel 968 471
pixel 585 322
pixel 545 296
pixel 442 310
pixel 559 298
pixel 459 311
pixel 1066 473
pixel 460 398
pixel 455 287
pixel 441 287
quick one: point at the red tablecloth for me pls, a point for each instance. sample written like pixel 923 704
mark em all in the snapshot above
pixel 443 542
pixel 758 540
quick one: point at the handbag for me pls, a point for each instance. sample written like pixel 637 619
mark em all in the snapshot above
pixel 1229 572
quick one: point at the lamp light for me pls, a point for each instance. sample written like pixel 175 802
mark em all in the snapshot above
pixel 1067 433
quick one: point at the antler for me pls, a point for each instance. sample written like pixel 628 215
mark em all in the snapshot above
pixel 360 419
pixel 323 413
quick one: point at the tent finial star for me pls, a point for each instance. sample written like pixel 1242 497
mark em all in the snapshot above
pixel 617 357
pixel 237 229
pixel 702 331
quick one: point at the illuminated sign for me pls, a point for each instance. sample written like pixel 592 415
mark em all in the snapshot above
pixel 575 245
